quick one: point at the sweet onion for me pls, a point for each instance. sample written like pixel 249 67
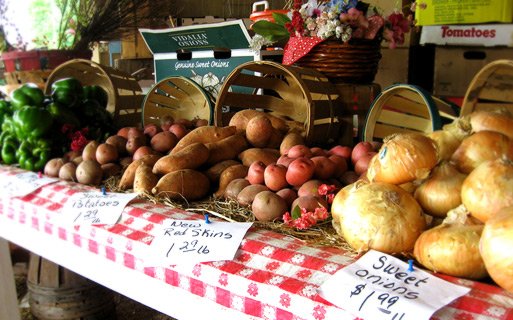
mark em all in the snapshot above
pixel 496 243
pixel 441 192
pixel 498 121
pixel 488 188
pixel 446 143
pixel 402 158
pixel 480 147
pixel 452 248
pixel 376 215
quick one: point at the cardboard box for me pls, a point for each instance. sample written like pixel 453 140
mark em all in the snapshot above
pixel 436 12
pixel 206 53
pixel 487 35
pixel 393 67
pixel 455 67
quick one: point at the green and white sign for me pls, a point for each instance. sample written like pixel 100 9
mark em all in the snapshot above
pixel 200 42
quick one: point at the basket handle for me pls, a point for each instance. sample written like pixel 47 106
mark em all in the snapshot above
pixel 259 3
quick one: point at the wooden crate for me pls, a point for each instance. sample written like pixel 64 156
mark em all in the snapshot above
pixel 491 88
pixel 303 97
pixel 124 92
pixel 177 97
pixel 406 108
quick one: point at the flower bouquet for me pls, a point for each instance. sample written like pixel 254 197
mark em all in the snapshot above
pixel 339 38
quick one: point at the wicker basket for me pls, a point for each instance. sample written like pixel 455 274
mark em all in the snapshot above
pixel 406 108
pixel 124 92
pixel 303 97
pixel 355 61
pixel 178 97
pixel 491 88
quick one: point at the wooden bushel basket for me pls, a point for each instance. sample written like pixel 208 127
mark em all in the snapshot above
pixel 303 97
pixel 124 92
pixel 178 97
pixel 57 293
pixel 406 108
pixel 491 88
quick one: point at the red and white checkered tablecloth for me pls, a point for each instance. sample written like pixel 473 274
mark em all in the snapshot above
pixel 273 276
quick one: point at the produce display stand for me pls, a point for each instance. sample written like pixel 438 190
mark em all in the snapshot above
pixel 273 276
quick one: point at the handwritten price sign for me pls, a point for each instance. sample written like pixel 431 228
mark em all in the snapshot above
pixel 379 286
pixel 23 183
pixel 95 207
pixel 186 241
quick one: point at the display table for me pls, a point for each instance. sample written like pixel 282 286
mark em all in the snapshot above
pixel 273 276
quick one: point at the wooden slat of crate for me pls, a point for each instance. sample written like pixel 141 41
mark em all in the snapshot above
pixel 383 130
pixel 259 101
pixel 20 77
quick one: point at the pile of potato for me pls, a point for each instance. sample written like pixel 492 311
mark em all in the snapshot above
pixel 257 160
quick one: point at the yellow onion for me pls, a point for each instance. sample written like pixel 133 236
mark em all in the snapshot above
pixel 403 157
pixel 496 248
pixel 377 215
pixel 441 192
pixel 446 143
pixel 480 147
pixel 453 249
pixel 498 121
pixel 488 188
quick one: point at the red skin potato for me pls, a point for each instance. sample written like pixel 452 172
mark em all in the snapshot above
pixel 342 151
pixel 310 203
pixel 284 160
pixel 340 165
pixel 316 151
pixel 360 167
pixel 324 167
pixel 288 194
pixel 179 130
pixel 360 149
pixel 163 141
pixel 256 172
pixel 299 171
pixel 299 150
pixel 310 188
pixel 151 129
pixel 274 177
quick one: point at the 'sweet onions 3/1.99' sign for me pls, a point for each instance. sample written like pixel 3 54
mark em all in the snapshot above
pixel 379 286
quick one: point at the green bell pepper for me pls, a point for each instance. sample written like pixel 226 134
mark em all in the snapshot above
pixel 96 93
pixel 27 94
pixel 31 122
pixel 63 115
pixel 34 155
pixel 9 147
pixel 67 91
pixel 5 109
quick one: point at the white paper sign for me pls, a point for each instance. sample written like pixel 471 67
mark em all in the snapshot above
pixel 379 286
pixel 87 208
pixel 22 184
pixel 193 241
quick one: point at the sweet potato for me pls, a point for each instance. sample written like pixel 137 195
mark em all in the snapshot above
pixel 214 172
pixel 145 179
pixel 231 173
pixel 226 149
pixel 205 134
pixel 127 179
pixel 266 155
pixel 186 184
pixel 190 157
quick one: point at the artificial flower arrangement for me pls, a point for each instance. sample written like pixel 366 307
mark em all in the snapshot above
pixel 310 23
